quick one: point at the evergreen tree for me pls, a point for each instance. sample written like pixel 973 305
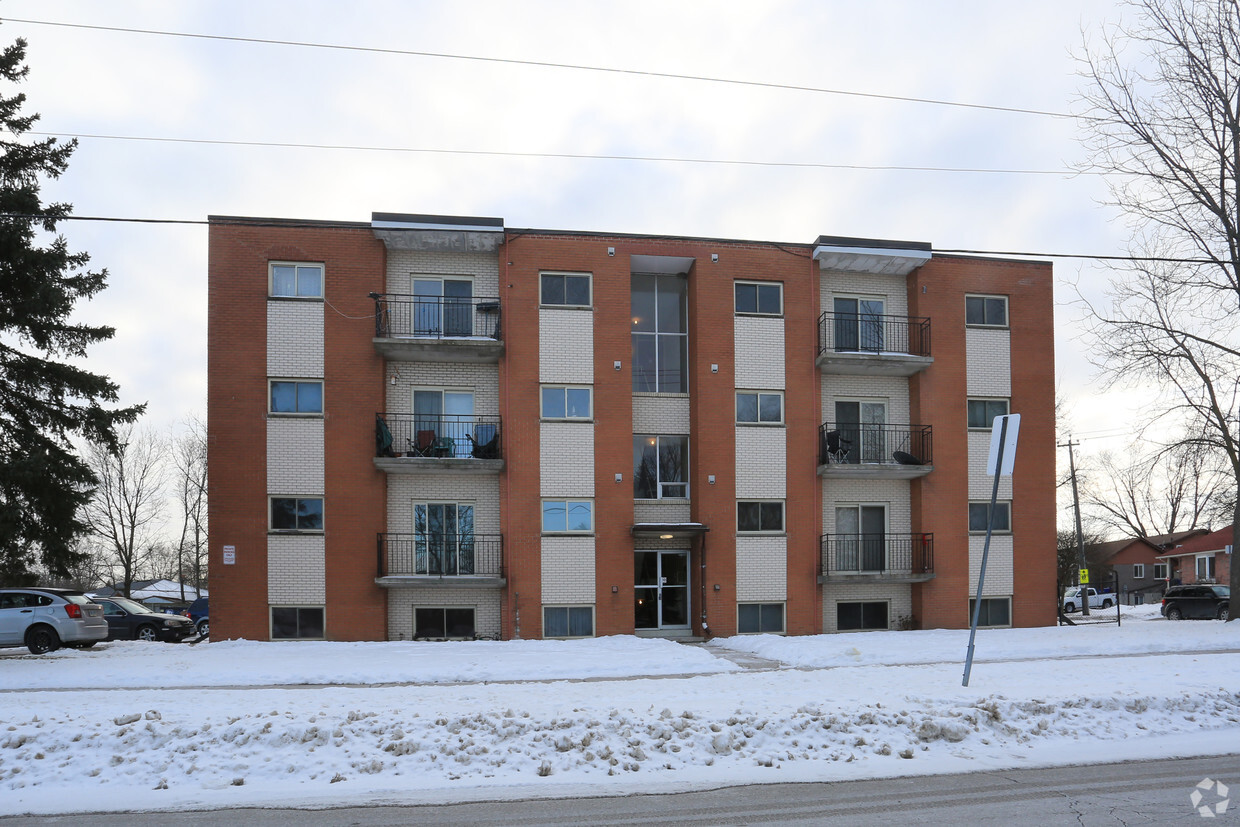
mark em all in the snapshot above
pixel 45 401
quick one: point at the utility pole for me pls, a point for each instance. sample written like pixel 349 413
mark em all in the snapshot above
pixel 1080 539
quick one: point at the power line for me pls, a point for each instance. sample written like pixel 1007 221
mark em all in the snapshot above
pixel 549 65
pixel 559 155
pixel 290 223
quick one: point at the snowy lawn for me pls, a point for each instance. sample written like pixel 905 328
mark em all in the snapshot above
pixel 110 729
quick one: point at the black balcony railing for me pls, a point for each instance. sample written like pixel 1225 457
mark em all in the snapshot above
pixel 850 443
pixel 873 333
pixel 890 555
pixel 436 317
pixel 463 436
pixel 440 555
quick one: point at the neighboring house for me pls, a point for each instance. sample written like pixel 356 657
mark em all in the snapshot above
pixel 155 593
pixel 1141 576
pixel 440 427
pixel 1203 559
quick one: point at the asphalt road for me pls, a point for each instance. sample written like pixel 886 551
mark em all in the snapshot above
pixel 1152 792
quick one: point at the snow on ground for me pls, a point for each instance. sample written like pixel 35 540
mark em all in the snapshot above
pixel 131 726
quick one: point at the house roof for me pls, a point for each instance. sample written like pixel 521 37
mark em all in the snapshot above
pixel 1103 552
pixel 1215 541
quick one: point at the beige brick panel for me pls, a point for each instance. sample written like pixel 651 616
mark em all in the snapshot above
pixel 402 265
pixel 295 570
pixel 566 459
pixel 295 455
pixel 998 564
pixel 660 414
pixel 890 389
pixel 898 596
pixel 295 339
pixel 483 380
pixel 567 570
pixel 892 493
pixel 648 511
pixel 761 462
pixel 988 362
pixel 759 353
pixel 566 346
pixel 761 569
pixel 479 490
pixel 892 289
pixel 486 604
pixel 982 484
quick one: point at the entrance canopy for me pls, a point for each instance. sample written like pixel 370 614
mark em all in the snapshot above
pixel 669 531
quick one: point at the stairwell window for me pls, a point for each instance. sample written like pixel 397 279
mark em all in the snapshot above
pixel 660 467
pixel 290 280
pixel 659 305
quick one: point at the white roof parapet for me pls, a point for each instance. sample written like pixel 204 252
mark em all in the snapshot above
pixel 862 255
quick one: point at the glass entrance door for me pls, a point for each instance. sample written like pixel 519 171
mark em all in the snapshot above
pixel 662 590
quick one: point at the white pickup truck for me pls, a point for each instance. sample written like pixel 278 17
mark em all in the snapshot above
pixel 1097 600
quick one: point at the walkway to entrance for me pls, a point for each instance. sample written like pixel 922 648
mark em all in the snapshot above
pixel 745 660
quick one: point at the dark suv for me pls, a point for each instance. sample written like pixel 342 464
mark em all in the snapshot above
pixel 199 614
pixel 1196 600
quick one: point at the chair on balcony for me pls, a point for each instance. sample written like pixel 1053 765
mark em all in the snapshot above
pixel 444 446
pixel 838 447
pixel 485 439
pixel 423 444
pixel 905 458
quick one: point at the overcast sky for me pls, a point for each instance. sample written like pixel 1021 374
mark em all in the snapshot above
pixel 92 82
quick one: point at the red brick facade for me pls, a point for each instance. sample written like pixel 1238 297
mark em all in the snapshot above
pixel 354 376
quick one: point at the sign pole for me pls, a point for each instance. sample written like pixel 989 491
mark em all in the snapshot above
pixel 998 442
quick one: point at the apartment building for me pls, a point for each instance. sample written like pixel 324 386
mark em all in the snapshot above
pixel 428 427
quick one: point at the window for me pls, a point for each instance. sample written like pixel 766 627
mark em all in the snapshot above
pixel 443 306
pixel 996 611
pixel 302 281
pixel 443 421
pixel 564 402
pixel 1160 571
pixel 1205 567
pixel 660 315
pixel 568 516
pixel 761 298
pixel 855 616
pixel 296 513
pixel 1138 571
pixel 566 289
pixel 296 622
pixel 296 397
pixel 760 517
pixel 443 538
pixel 863 431
pixel 982 412
pixel 760 618
pixel 753 406
pixel 979 513
pixel 568 621
pixel 987 311
pixel 858 324
pixel 442 623
pixel 660 467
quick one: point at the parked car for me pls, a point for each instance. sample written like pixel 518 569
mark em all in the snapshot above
pixel 130 620
pixel 1196 600
pixel 43 619
pixel 1097 600
pixel 198 614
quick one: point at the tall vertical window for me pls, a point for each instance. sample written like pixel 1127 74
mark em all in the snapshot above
pixel 660 467
pixel 660 316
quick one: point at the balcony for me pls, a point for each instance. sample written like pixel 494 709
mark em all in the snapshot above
pixel 437 328
pixel 888 558
pixel 847 450
pixel 434 559
pixel 873 345
pixel 408 443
